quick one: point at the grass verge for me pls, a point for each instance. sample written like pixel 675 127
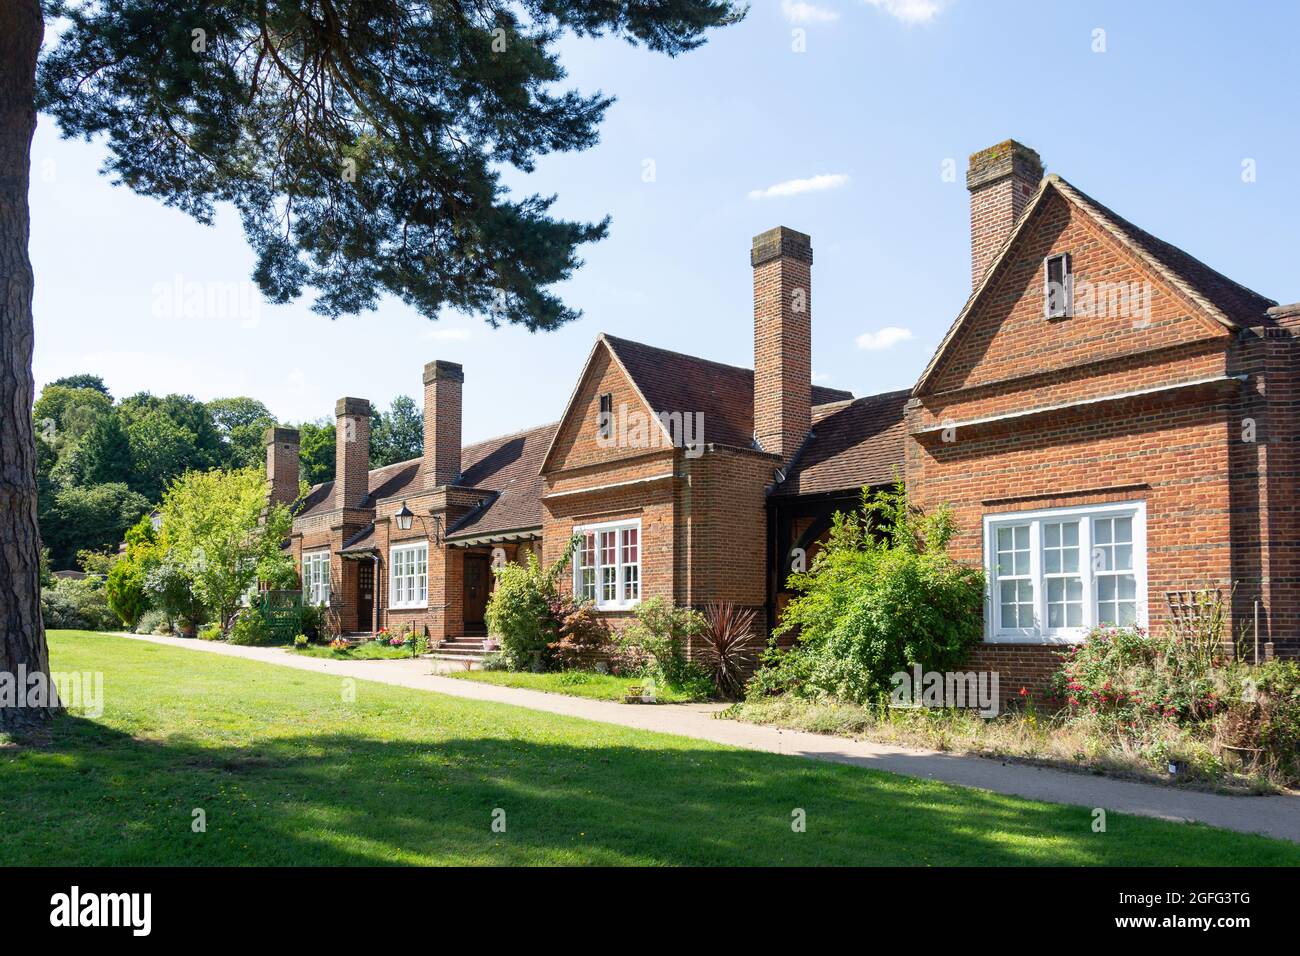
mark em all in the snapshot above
pixel 292 767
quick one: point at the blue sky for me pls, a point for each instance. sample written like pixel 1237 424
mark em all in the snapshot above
pixel 884 93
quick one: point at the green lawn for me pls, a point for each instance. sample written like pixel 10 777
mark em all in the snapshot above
pixel 573 683
pixel 369 651
pixel 287 770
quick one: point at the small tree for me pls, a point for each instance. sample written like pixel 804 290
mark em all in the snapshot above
pixel 125 585
pixel 217 526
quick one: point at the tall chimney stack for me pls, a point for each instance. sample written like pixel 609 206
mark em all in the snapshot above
pixel 281 465
pixel 443 383
pixel 351 452
pixel 1001 179
pixel 782 261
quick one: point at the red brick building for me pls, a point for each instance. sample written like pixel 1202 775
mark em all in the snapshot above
pixel 1109 418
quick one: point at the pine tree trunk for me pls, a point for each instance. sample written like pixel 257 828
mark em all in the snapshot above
pixel 22 634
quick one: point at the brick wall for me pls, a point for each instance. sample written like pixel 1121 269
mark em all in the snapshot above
pixel 1212 499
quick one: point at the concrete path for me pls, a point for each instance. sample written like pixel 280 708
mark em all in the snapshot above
pixel 1276 816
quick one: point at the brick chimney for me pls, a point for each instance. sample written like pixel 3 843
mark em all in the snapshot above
pixel 782 261
pixel 1001 179
pixel 443 382
pixel 281 465
pixel 351 452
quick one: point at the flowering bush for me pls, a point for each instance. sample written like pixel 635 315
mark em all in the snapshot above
pixel 1126 679
pixel 398 640
pixel 338 644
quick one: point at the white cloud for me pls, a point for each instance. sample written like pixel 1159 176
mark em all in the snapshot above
pixel 793 187
pixel 910 11
pixel 798 12
pixel 886 338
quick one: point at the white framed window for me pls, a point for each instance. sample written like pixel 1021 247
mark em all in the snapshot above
pixel 1058 286
pixel 1053 574
pixel 607 564
pixel 408 575
pixel 316 577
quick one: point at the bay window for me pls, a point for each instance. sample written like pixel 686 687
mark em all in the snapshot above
pixel 607 564
pixel 316 578
pixel 1055 573
pixel 408 576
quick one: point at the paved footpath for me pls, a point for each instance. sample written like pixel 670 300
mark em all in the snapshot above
pixel 1276 816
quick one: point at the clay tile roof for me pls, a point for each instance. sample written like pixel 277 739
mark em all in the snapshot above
pixel 854 443
pixel 724 394
pixel 511 467
pixel 507 465
pixel 1234 300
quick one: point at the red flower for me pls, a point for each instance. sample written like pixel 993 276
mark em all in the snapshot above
pixel 1023 692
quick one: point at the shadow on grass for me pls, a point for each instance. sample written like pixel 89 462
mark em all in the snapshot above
pixel 94 795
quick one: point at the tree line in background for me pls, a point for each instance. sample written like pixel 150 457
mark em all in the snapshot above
pixel 103 464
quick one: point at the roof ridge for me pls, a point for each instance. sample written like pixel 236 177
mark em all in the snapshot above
pixel 687 355
pixel 1130 227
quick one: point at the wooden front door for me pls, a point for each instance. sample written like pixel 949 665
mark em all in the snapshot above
pixel 366 595
pixel 476 588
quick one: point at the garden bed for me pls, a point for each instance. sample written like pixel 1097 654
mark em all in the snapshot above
pixel 1023 736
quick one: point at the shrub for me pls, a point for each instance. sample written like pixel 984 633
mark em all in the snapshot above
pixel 153 622
pixel 171 592
pixel 1263 715
pixel 727 657
pixel 79 605
pixel 495 661
pixel 316 623
pixel 519 610
pixel 657 640
pixel 250 628
pixel 211 632
pixel 583 634
pixel 881 596
pixel 301 640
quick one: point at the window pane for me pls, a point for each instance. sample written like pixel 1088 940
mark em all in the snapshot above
pixel 1022 537
pixel 1074 615
pixel 1070 534
pixel 1124 529
pixel 1022 562
pixel 1052 535
pixel 1056 589
pixel 1004 539
pixel 1106 588
pixel 1052 561
pixel 1123 557
pixel 1008 592
pixel 1128 587
pixel 1101 530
